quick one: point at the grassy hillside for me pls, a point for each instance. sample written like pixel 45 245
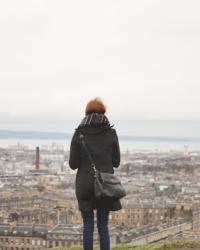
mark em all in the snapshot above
pixel 154 246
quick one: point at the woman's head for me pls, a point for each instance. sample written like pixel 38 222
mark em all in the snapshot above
pixel 95 106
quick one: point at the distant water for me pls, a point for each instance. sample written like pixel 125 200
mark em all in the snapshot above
pixel 132 146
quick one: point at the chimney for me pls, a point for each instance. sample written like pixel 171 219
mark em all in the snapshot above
pixel 37 160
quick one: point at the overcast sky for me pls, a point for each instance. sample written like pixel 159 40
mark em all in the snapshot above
pixel 141 57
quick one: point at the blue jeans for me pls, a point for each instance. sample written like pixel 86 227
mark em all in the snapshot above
pixel 102 226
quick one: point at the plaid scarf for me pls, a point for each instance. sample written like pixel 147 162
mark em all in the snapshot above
pixel 94 119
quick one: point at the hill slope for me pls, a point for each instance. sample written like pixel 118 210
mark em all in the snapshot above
pixel 179 245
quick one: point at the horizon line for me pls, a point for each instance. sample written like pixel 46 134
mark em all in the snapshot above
pixel 32 134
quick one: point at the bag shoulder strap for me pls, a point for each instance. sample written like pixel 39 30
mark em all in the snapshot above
pixel 81 136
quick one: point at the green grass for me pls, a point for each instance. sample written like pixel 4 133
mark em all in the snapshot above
pixel 155 246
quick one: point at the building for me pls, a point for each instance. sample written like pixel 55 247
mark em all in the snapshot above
pixel 22 236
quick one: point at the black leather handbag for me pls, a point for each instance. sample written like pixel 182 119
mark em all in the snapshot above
pixel 106 185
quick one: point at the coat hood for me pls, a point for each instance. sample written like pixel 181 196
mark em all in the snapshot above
pixel 88 130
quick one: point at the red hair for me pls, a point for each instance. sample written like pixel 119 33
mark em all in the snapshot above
pixel 95 106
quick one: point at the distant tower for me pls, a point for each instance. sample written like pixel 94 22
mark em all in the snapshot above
pixel 186 150
pixel 62 167
pixel 37 158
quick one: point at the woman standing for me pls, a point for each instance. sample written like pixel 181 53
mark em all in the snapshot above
pixel 102 142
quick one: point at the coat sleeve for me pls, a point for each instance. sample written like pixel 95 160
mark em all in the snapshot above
pixel 74 154
pixel 116 151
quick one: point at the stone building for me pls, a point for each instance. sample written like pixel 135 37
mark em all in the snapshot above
pixel 21 200
pixel 64 235
pixel 138 215
pixel 22 236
